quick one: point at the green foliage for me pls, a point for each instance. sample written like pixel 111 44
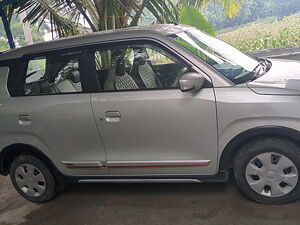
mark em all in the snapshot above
pixel 187 46
pixel 250 11
pixel 17 30
pixel 3 44
pixel 189 15
pixel 70 17
pixel 264 35
pixel 230 8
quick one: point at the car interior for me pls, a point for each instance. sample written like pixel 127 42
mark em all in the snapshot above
pixel 131 68
pixel 59 75
pixel 134 68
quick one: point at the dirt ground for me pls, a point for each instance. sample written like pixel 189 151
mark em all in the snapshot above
pixel 144 204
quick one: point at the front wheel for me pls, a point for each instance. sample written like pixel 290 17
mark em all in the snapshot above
pixel 267 170
pixel 32 179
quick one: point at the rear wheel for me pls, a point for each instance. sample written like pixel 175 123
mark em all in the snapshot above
pixel 267 170
pixel 32 179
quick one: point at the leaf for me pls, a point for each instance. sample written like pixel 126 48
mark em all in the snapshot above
pixel 190 15
pixel 55 11
pixel 231 7
pixel 70 17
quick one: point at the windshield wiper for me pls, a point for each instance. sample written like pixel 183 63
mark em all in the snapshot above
pixel 263 65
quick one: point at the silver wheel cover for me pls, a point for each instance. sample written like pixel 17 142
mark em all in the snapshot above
pixel 30 180
pixel 271 174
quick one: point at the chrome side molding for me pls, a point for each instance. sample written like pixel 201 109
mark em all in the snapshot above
pixel 162 163
pixel 134 164
pixel 83 164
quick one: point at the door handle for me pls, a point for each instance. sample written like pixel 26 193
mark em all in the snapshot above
pixel 112 116
pixel 24 120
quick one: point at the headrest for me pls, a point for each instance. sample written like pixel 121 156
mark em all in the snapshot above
pixel 76 76
pixel 120 68
pixel 140 56
pixel 116 56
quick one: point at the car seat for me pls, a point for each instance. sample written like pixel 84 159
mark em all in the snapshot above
pixel 142 69
pixel 123 81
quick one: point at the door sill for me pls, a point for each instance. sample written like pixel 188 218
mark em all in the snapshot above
pixel 221 176
pixel 150 180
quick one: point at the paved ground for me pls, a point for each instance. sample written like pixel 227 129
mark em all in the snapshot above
pixel 144 204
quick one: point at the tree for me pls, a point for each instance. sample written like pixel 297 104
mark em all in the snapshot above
pixel 17 30
pixel 189 15
pixel 230 7
pixel 70 17
pixel 252 10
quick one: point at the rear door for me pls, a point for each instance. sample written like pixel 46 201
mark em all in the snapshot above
pixel 53 112
pixel 147 124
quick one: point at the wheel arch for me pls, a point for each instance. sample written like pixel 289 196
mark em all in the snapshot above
pixel 233 146
pixel 10 152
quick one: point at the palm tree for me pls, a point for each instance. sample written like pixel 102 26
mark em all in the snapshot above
pixel 70 17
pixel 231 7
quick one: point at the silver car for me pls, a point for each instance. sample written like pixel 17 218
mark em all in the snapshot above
pixel 159 103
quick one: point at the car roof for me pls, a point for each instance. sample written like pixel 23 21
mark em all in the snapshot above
pixel 154 31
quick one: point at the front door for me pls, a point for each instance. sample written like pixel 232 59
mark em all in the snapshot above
pixel 148 126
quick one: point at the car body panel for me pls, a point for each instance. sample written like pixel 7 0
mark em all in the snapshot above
pixel 239 109
pixel 282 79
pixel 61 126
pixel 159 125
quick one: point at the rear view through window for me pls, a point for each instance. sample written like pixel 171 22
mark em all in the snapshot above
pixel 53 75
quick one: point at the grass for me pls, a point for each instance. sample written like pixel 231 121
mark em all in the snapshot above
pixel 265 35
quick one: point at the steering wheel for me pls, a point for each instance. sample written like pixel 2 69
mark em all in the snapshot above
pixel 180 73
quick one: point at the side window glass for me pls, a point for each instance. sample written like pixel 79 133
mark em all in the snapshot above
pixel 53 75
pixel 35 70
pixel 138 67
pixel 158 58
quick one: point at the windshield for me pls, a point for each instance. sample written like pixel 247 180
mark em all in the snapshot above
pixel 235 65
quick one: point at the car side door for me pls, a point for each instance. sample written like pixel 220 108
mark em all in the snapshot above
pixel 51 111
pixel 148 125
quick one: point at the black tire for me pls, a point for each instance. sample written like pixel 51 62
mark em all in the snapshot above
pixel 282 146
pixel 51 187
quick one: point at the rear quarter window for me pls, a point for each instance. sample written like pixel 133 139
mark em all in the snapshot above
pixel 53 74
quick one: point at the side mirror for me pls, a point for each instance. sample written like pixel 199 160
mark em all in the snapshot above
pixel 191 82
